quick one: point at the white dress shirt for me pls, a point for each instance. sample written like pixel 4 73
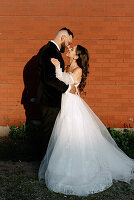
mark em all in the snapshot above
pixel 55 44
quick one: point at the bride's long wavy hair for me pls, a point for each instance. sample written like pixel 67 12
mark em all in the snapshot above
pixel 83 63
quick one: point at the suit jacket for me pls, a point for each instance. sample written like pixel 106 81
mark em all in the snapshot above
pixel 50 88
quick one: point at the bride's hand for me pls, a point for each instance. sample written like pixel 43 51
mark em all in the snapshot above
pixel 55 62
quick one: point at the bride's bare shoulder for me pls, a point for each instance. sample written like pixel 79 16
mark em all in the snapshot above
pixel 77 74
pixel 77 71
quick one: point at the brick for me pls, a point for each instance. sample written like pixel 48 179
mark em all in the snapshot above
pixel 72 8
pixel 94 27
pixel 105 28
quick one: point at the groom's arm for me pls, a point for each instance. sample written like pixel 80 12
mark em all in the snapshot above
pixel 49 75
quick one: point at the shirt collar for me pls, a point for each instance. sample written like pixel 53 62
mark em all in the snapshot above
pixel 55 44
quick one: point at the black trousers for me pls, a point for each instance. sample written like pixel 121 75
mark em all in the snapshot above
pixel 48 117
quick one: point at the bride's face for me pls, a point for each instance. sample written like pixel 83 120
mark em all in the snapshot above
pixel 71 52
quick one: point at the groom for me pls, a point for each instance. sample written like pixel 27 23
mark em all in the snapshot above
pixel 50 88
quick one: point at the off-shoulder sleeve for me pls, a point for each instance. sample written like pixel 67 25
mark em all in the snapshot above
pixel 63 76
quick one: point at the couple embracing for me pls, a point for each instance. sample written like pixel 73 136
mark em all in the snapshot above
pixel 80 156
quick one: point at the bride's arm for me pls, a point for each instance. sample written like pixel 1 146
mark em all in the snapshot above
pixel 62 76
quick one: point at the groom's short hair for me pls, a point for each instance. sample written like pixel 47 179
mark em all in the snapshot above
pixel 69 32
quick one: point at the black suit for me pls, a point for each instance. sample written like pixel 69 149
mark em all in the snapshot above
pixel 50 89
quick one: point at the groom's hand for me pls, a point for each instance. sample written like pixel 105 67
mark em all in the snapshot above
pixel 73 89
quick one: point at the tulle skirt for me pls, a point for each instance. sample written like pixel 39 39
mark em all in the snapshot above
pixel 82 158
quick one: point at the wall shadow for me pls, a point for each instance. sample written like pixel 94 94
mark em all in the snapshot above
pixel 31 82
pixel 32 108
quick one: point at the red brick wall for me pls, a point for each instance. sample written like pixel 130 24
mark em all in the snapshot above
pixel 104 27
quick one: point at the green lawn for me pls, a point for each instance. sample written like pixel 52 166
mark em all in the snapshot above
pixel 18 181
pixel 19 166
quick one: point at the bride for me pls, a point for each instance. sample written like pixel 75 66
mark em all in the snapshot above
pixel 81 158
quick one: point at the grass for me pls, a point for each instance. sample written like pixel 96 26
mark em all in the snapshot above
pixel 18 177
pixel 16 150
pixel 19 181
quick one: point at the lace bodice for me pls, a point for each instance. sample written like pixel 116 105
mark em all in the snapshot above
pixel 67 78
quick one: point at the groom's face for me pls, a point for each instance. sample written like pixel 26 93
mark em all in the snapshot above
pixel 66 43
pixel 63 47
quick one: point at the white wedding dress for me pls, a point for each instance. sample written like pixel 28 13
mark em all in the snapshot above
pixel 82 158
